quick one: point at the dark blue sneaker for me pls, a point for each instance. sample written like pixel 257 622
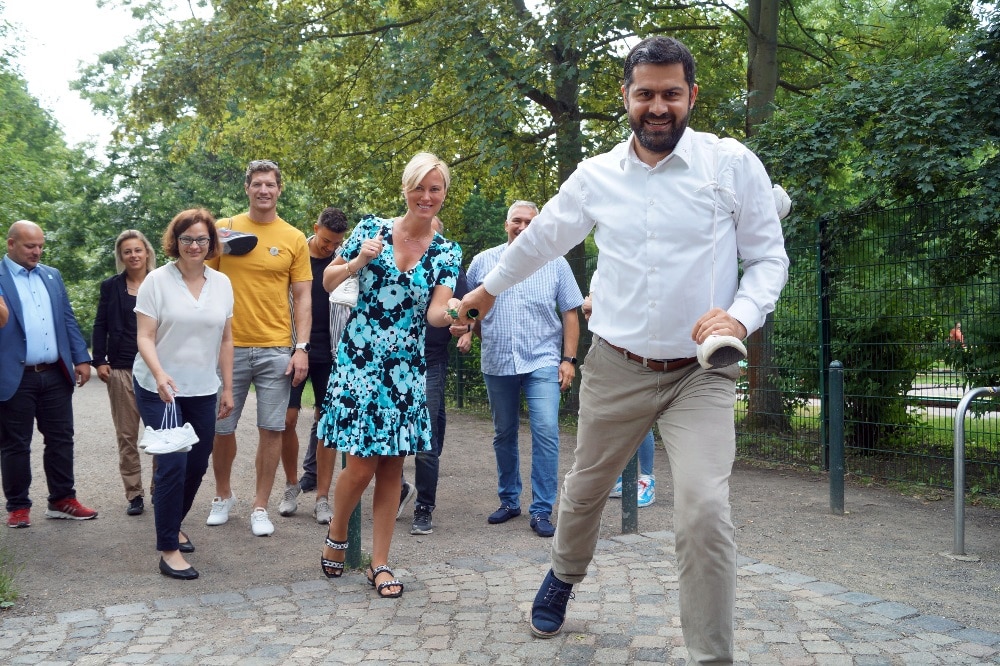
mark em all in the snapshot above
pixel 549 610
pixel 542 525
pixel 503 514
pixel 307 484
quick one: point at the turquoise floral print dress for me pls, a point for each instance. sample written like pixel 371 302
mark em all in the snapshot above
pixel 376 403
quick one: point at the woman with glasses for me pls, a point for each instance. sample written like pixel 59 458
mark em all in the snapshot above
pixel 376 406
pixel 114 343
pixel 184 314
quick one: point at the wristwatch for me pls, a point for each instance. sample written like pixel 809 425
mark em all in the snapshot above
pixel 569 359
pixel 304 346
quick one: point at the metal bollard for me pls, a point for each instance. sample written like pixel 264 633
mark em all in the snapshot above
pixel 352 559
pixel 630 496
pixel 958 548
pixel 836 433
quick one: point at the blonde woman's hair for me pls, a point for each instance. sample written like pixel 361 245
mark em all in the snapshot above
pixel 129 234
pixel 421 165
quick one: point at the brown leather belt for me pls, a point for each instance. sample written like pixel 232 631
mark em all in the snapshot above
pixel 41 367
pixel 660 365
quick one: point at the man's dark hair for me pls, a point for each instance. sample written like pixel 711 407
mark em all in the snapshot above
pixel 659 50
pixel 333 219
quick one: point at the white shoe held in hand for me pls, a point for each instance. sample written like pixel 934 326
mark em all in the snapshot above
pixel 718 351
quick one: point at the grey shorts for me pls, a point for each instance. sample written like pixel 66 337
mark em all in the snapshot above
pixel 265 368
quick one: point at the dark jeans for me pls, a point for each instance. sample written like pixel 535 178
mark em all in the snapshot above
pixel 319 375
pixel 45 397
pixel 177 476
pixel 427 464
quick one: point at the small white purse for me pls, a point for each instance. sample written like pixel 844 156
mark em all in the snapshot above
pixel 171 437
pixel 346 293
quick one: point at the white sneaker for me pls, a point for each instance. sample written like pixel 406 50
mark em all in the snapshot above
pixel 647 490
pixel 260 524
pixel 323 512
pixel 220 510
pixel 289 503
pixel 718 351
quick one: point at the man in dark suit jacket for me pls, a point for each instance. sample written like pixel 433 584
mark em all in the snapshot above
pixel 42 356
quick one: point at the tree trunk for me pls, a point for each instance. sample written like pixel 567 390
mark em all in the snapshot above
pixel 762 62
pixel 764 409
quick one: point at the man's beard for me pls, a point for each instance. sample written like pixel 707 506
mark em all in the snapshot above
pixel 660 143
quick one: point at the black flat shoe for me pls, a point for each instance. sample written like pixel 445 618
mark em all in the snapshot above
pixel 180 574
pixel 186 546
pixel 135 506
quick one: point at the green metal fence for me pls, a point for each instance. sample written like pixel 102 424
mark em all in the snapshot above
pixel 880 292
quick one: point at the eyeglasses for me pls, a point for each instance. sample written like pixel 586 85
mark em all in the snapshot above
pixel 202 241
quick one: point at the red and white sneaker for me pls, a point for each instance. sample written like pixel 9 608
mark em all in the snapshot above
pixel 19 518
pixel 69 509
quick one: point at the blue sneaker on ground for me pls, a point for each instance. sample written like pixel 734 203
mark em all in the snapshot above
pixel 549 610
pixel 542 525
pixel 647 490
pixel 503 514
pixel 617 490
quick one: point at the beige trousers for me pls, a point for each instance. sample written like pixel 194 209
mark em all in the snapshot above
pixel 125 416
pixel 619 402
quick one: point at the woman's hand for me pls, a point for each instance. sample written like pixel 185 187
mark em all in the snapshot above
pixel 166 388
pixel 104 373
pixel 370 249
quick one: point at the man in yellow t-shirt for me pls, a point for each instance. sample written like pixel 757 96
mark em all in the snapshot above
pixel 271 321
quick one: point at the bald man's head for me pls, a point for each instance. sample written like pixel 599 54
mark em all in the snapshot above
pixel 25 242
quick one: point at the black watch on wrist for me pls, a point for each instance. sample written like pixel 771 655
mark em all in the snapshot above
pixel 304 346
pixel 570 359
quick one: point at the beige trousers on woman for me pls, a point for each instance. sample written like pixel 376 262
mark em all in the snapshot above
pixel 125 416
pixel 619 402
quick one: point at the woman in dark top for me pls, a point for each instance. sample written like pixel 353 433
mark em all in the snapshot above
pixel 114 343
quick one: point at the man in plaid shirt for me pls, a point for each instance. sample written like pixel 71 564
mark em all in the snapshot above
pixel 529 341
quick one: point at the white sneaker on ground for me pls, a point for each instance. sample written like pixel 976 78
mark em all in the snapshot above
pixel 260 524
pixel 323 512
pixel 220 510
pixel 289 503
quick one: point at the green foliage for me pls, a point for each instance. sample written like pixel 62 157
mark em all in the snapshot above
pixel 8 572
pixel 33 153
pixel 895 133
pixel 483 222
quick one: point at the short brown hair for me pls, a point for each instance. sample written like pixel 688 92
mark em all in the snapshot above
pixel 256 166
pixel 184 221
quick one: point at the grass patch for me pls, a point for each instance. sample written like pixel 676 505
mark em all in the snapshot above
pixel 8 572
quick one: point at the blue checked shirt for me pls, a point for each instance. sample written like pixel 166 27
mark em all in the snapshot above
pixel 523 331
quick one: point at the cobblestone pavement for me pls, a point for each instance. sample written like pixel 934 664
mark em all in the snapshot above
pixel 473 610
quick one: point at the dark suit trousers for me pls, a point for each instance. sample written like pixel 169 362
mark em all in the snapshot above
pixel 45 397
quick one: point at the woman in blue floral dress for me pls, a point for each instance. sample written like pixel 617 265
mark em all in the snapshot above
pixel 376 409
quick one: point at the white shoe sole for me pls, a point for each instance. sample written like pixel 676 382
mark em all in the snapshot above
pixel 719 351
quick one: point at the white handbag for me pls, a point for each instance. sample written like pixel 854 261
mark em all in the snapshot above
pixel 346 293
pixel 171 437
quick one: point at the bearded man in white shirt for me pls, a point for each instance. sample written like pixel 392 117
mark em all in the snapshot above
pixel 674 212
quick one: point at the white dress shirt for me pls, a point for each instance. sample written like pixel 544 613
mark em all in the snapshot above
pixel 654 229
